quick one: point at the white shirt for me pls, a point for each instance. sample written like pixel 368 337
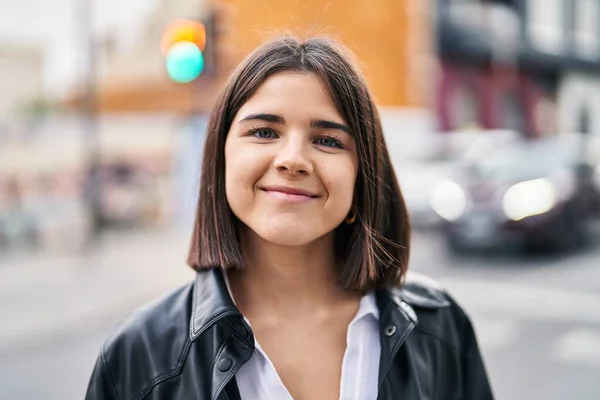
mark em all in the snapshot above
pixel 258 379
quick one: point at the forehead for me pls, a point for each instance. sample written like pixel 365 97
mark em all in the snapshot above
pixel 292 94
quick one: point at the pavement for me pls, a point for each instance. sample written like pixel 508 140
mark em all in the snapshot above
pixel 537 318
pixel 46 295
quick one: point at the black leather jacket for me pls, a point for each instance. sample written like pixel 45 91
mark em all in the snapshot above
pixel 190 343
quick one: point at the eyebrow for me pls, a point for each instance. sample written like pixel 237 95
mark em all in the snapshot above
pixel 274 118
pixel 278 119
pixel 324 124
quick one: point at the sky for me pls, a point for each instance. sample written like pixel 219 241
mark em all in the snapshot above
pixel 54 27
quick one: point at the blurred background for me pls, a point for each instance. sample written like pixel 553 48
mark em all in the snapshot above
pixel 491 112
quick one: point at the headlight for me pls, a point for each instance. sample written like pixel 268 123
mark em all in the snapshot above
pixel 448 200
pixel 529 198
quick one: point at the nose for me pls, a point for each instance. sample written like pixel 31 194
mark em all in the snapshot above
pixel 292 157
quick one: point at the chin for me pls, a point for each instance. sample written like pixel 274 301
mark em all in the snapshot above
pixel 287 233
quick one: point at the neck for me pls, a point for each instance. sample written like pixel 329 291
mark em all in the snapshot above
pixel 287 279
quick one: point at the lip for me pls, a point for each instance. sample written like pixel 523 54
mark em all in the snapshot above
pixel 290 192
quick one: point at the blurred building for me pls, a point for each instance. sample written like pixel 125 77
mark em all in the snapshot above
pixel 523 65
pixel 579 51
pixel 527 65
pixel 20 78
pixel 482 83
pixel 144 123
pixel 45 183
pixel 391 39
pixel 131 77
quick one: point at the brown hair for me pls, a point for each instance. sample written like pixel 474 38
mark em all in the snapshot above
pixel 374 250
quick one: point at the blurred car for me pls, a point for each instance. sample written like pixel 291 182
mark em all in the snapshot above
pixel 533 193
pixel 437 158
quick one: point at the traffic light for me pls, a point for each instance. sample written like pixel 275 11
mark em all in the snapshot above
pixel 183 46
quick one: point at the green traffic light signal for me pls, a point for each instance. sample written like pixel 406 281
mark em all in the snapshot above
pixel 185 62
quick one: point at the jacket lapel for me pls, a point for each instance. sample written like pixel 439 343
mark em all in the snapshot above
pixel 397 370
pixel 396 323
pixel 218 329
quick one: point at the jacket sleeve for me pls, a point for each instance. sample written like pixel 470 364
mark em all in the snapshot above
pixel 99 387
pixel 476 385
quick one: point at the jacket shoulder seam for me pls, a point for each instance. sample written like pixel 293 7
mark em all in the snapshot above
pixel 167 375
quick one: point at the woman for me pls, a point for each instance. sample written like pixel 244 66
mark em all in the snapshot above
pixel 301 245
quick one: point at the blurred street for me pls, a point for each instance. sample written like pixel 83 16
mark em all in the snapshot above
pixel 538 318
pixel 491 114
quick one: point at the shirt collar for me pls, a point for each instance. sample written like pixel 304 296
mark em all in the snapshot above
pixel 367 306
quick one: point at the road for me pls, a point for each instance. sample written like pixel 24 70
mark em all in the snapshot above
pixel 537 318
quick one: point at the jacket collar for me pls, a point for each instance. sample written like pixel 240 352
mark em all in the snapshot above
pixel 212 302
pixel 420 291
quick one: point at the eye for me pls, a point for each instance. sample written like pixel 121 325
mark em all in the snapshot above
pixel 328 141
pixel 263 133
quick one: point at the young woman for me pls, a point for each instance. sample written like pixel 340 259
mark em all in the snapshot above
pixel 301 246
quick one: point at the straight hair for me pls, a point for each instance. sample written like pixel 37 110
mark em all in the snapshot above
pixel 374 250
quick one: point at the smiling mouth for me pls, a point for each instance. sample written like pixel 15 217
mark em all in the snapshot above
pixel 290 194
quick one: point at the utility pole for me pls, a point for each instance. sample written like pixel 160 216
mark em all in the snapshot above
pixel 85 16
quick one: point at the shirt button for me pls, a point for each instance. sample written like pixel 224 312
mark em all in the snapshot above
pixel 390 330
pixel 224 364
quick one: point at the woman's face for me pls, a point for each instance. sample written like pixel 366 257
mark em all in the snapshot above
pixel 290 161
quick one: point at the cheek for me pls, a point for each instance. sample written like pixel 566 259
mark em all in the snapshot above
pixel 240 176
pixel 340 184
pixel 242 170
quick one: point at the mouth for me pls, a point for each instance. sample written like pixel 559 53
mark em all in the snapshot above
pixel 289 193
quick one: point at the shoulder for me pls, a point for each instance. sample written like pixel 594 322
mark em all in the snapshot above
pixel 150 345
pixel 438 315
pixel 443 339
pixel 422 291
